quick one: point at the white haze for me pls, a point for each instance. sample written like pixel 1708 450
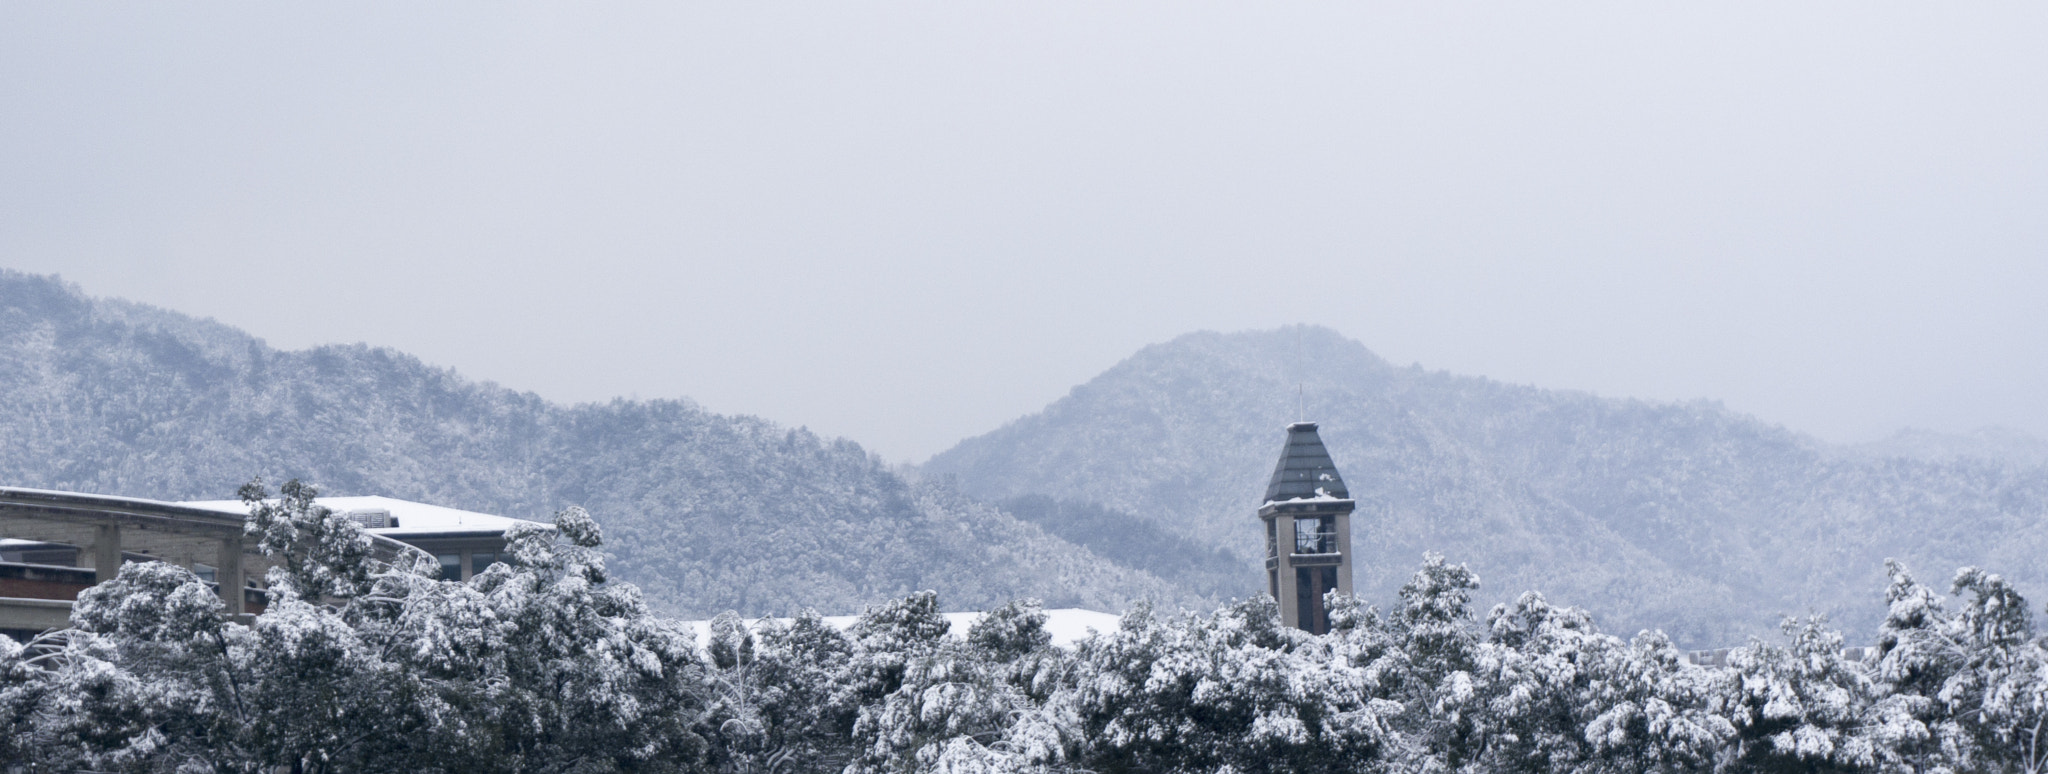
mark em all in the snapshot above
pixel 908 223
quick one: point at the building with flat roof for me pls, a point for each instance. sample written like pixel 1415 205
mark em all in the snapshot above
pixel 465 542
pixel 54 545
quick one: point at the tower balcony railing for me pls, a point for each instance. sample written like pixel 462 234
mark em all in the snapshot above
pixel 1315 542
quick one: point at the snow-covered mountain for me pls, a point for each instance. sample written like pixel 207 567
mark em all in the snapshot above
pixel 1984 443
pixel 1687 517
pixel 704 512
pixel 1139 484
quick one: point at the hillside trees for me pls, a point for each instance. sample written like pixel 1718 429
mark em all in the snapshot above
pixel 706 512
pixel 543 664
pixel 1656 515
pixel 1690 518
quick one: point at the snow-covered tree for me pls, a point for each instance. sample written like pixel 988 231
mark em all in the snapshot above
pixel 537 665
pixel 573 674
pixel 951 704
pixel 321 553
pixel 736 721
pixel 1434 621
pixel 151 677
pixel 22 690
pixel 805 723
pixel 2015 711
pixel 1995 694
pixel 1657 712
pixel 1435 633
pixel 1966 689
pixel 1237 689
pixel 1803 707
pixel 1553 694
pixel 1533 680
pixel 541 664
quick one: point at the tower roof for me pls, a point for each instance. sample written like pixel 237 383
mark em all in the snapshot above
pixel 1305 470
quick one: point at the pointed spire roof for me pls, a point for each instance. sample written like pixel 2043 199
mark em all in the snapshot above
pixel 1305 467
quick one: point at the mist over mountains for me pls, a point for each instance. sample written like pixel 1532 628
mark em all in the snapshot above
pixel 1140 484
pixel 704 512
pixel 1687 517
pixel 1995 444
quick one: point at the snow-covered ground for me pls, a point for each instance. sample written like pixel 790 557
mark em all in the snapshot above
pixel 1068 625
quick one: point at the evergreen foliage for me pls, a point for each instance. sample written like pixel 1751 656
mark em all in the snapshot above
pixel 542 664
pixel 552 662
pixel 1706 524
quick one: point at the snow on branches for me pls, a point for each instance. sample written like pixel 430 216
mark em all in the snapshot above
pixel 541 664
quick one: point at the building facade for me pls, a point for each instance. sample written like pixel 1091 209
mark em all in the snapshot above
pixel 54 545
pixel 464 542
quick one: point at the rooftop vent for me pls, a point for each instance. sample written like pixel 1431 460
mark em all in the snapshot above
pixel 373 519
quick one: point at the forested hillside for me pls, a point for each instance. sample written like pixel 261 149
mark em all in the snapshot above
pixel 1140 484
pixel 704 512
pixel 1687 517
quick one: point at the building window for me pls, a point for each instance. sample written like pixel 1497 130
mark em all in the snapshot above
pixel 451 566
pixel 1272 540
pixel 481 561
pixel 1315 536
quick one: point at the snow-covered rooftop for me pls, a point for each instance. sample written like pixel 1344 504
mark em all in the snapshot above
pixel 1068 625
pixel 413 518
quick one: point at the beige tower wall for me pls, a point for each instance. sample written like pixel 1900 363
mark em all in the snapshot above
pixel 1344 548
pixel 1290 611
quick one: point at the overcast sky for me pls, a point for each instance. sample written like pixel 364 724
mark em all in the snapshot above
pixel 908 223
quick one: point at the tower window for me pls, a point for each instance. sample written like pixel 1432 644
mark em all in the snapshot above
pixel 1315 536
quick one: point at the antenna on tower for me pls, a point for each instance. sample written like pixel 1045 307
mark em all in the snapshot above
pixel 1300 379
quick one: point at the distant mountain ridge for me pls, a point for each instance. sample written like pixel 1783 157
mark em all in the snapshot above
pixel 1139 484
pixel 704 512
pixel 1686 517
pixel 1984 443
